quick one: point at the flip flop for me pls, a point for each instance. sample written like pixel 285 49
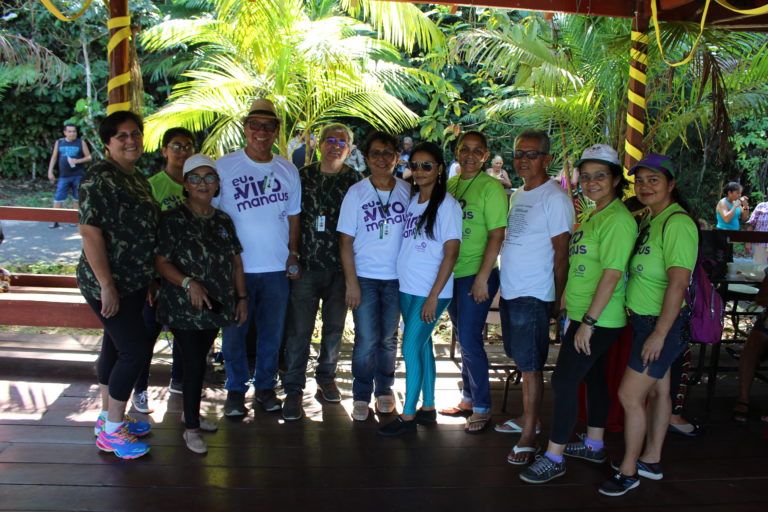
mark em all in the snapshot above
pixel 530 450
pixel 456 412
pixel 485 421
pixel 511 427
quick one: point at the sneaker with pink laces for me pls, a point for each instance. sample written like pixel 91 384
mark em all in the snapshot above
pixel 136 427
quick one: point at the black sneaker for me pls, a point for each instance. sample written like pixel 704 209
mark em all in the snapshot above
pixel 426 417
pixel 54 225
pixel 268 400
pixel 644 469
pixel 542 470
pixel 579 450
pixel 619 485
pixel 397 427
pixel 235 404
pixel 329 392
pixel 292 410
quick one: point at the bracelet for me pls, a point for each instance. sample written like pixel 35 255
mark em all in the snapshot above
pixel 185 283
pixel 588 320
pixel 244 297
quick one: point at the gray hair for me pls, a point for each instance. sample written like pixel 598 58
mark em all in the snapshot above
pixel 539 135
pixel 336 127
pixel 499 157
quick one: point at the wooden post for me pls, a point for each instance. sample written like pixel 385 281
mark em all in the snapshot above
pixel 633 143
pixel 119 84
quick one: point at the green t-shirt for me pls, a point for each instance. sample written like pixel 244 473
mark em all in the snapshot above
pixel 119 203
pixel 604 241
pixel 166 191
pixel 654 255
pixel 202 248
pixel 484 204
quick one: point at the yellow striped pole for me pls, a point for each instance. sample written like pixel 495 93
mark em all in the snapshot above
pixel 638 67
pixel 119 85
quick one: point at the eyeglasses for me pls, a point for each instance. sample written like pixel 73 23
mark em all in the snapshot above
pixel 123 136
pixel 178 148
pixel 530 155
pixel 386 154
pixel 255 126
pixel 333 141
pixel 196 179
pixel 586 178
pixel 426 166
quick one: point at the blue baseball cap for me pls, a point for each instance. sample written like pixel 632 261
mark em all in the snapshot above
pixel 656 162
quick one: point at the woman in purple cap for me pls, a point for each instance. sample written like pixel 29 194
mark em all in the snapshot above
pixel 659 272
pixel 594 299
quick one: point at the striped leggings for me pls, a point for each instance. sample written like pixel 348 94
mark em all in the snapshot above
pixel 417 351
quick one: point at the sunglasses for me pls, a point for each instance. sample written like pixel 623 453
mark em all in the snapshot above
pixel 530 155
pixel 178 148
pixel 333 141
pixel 426 166
pixel 196 179
pixel 256 126
pixel 386 154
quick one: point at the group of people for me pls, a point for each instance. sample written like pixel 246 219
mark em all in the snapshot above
pixel 251 238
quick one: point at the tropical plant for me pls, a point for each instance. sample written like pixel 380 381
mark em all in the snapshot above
pixel 311 57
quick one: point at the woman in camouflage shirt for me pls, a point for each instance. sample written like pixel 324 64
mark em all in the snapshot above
pixel 203 288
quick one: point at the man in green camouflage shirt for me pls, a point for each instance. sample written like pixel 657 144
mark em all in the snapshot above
pixel 324 185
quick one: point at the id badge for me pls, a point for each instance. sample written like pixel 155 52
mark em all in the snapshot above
pixel 385 230
pixel 320 223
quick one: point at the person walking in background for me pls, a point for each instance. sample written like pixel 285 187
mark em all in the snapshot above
pixel 424 266
pixel 732 208
pixel 69 154
pixel 484 205
pixel 261 192
pixel 370 233
pixel 118 224
pixel 323 186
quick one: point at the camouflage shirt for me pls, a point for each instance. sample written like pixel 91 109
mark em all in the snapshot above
pixel 119 203
pixel 321 196
pixel 203 249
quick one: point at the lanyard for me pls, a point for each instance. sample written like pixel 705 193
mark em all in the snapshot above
pixel 466 189
pixel 384 207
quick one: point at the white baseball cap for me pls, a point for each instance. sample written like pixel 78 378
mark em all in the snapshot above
pixel 198 160
pixel 600 153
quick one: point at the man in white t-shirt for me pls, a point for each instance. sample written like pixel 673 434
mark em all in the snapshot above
pixel 534 268
pixel 261 192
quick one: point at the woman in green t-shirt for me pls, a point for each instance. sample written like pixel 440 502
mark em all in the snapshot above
pixel 659 273
pixel 594 299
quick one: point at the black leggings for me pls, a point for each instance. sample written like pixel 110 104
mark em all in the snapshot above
pixel 193 347
pixel 573 367
pixel 126 345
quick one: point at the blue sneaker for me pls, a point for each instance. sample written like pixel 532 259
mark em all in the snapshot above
pixel 619 485
pixel 121 443
pixel 135 427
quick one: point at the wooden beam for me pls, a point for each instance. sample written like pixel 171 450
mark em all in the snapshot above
pixel 38 214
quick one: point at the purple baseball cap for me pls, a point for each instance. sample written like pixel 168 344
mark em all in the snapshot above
pixel 656 162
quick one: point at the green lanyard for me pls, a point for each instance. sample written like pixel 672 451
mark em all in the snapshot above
pixel 384 207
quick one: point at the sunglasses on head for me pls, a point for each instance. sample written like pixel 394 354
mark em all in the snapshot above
pixel 427 166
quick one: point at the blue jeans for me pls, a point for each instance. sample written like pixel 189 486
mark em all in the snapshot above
pixel 267 304
pixel 468 319
pixel 375 350
pixel 306 293
pixel 525 330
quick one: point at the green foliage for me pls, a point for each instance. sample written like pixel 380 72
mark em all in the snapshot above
pixel 751 145
pixel 41 267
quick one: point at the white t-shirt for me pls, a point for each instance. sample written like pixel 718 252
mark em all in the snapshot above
pixel 527 256
pixel 362 216
pixel 420 256
pixel 259 197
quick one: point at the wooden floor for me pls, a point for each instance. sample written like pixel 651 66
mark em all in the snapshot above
pixel 48 459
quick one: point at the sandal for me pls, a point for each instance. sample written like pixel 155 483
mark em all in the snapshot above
pixel 456 412
pixel 530 452
pixel 483 422
pixel 740 416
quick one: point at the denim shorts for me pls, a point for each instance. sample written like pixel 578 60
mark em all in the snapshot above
pixel 674 344
pixel 63 186
pixel 525 330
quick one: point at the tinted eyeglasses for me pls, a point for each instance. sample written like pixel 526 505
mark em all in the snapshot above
pixel 178 148
pixel 268 127
pixel 426 166
pixel 196 179
pixel 386 154
pixel 333 141
pixel 123 136
pixel 530 155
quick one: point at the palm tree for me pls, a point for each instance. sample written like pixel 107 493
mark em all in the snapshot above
pixel 311 57
pixel 24 62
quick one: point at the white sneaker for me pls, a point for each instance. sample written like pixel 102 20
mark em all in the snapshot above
pixel 385 404
pixel 195 442
pixel 140 402
pixel 360 410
